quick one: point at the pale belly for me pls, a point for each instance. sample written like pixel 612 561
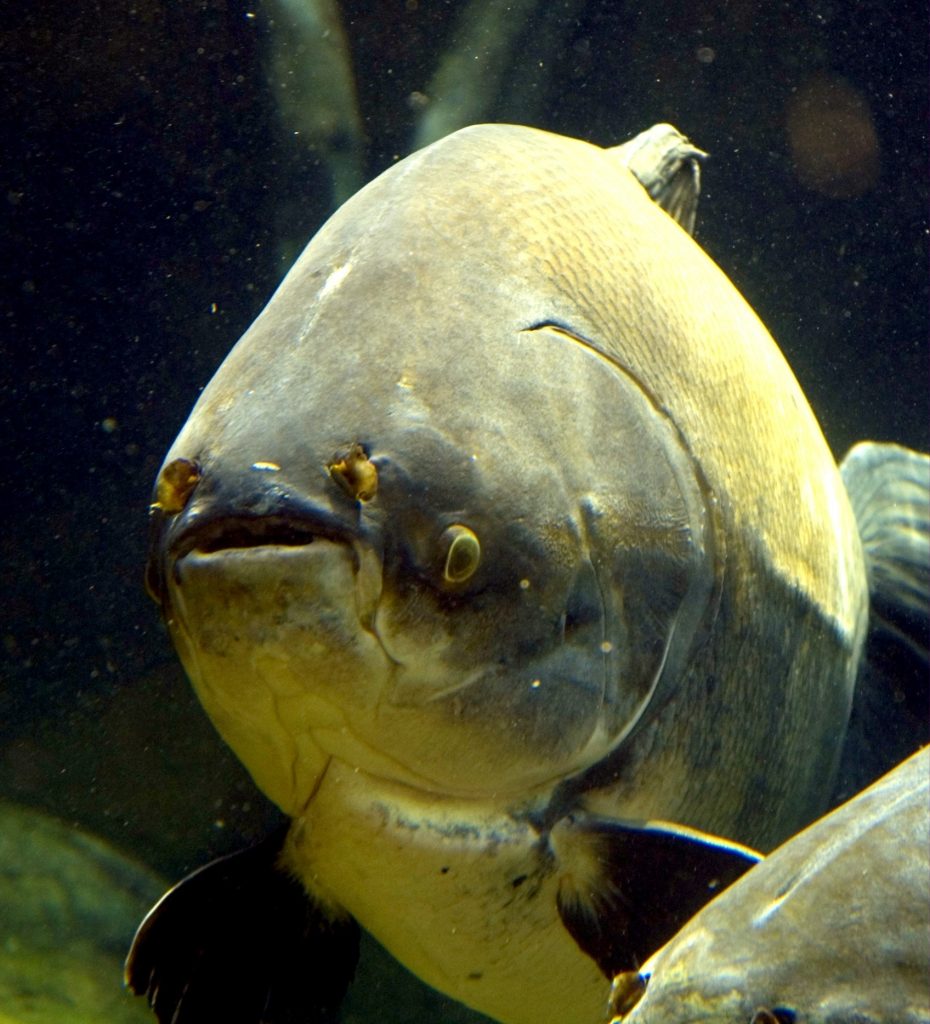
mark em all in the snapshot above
pixel 462 898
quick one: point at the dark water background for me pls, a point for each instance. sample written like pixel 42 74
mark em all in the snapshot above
pixel 145 170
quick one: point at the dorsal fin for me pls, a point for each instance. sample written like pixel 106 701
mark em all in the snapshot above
pixel 667 165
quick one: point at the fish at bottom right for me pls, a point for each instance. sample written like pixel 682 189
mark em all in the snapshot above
pixel 804 937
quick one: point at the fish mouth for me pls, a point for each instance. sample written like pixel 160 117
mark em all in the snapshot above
pixel 215 527
pixel 235 532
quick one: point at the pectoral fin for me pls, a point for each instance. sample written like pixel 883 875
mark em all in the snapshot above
pixel 239 941
pixel 626 888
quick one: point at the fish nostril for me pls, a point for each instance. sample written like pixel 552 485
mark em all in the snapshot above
pixel 355 473
pixel 175 485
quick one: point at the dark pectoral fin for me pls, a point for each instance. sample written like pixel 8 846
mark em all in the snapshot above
pixel 626 889
pixel 239 941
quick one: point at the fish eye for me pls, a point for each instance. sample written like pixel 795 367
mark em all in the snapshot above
pixel 463 553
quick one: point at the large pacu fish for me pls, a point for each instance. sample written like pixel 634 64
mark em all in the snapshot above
pixel 506 553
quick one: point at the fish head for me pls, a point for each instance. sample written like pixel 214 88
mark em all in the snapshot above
pixel 420 523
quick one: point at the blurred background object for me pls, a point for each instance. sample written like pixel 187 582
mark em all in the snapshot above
pixel 831 135
pixel 68 906
pixel 309 68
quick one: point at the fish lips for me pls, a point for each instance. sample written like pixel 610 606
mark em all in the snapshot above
pixel 224 517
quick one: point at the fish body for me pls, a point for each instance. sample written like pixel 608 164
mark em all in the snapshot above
pixel 504 533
